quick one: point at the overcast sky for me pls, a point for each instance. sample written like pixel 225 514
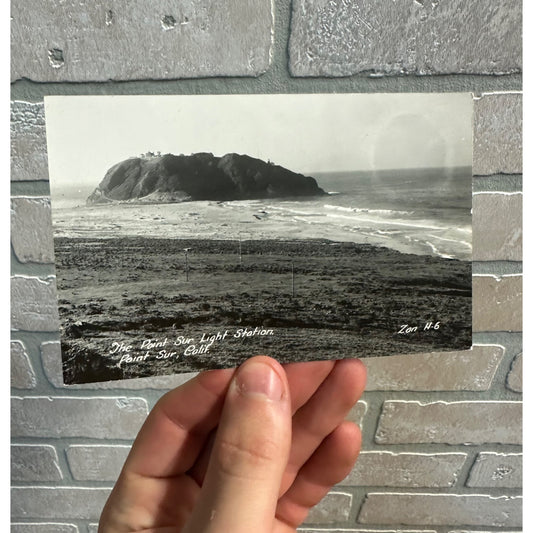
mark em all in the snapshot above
pixel 305 133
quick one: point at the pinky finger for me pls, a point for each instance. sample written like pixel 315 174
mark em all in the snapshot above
pixel 330 464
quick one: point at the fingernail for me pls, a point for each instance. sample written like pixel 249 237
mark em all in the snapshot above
pixel 256 378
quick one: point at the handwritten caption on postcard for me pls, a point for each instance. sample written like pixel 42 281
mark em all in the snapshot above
pixel 409 329
pixel 168 348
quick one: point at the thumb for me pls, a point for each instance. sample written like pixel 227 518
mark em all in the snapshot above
pixel 250 453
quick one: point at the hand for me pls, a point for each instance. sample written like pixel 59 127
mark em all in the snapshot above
pixel 239 451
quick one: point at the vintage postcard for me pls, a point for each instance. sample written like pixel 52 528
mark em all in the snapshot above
pixel 193 232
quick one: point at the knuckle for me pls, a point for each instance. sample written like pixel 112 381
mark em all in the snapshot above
pixel 246 458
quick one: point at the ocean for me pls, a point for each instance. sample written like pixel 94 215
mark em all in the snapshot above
pixel 420 211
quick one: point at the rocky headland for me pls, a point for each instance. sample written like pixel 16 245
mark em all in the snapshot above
pixel 201 176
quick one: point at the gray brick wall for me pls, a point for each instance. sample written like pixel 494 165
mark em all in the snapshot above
pixel 22 374
pixel 83 41
pixel 441 509
pixel 496 470
pixel 340 38
pixel 31 462
pixel 64 416
pixel 441 432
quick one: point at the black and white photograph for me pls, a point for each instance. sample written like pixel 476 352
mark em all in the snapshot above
pixel 193 232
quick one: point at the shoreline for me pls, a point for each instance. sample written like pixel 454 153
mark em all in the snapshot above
pixel 265 220
pixel 256 243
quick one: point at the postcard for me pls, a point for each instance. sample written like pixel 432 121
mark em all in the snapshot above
pixel 193 232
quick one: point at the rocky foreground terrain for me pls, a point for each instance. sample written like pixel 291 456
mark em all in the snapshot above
pixel 307 299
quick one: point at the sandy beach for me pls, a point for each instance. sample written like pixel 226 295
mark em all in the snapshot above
pixel 133 307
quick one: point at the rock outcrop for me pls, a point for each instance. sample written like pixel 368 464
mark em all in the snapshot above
pixel 201 176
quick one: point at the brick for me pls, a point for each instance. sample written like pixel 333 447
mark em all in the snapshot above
pixel 358 530
pixel 29 160
pixel 334 507
pixel 491 469
pixel 51 359
pixel 34 304
pixel 497 303
pixel 70 40
pixel 497 134
pixel 450 422
pixel 42 527
pixel 31 230
pixel 96 463
pixel 339 38
pixel 497 227
pixel 514 377
pixel 387 469
pixel 477 531
pixel 51 502
pixel 110 418
pixel 441 509
pixel 34 463
pixel 22 374
pixel 471 370
pixel 357 413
